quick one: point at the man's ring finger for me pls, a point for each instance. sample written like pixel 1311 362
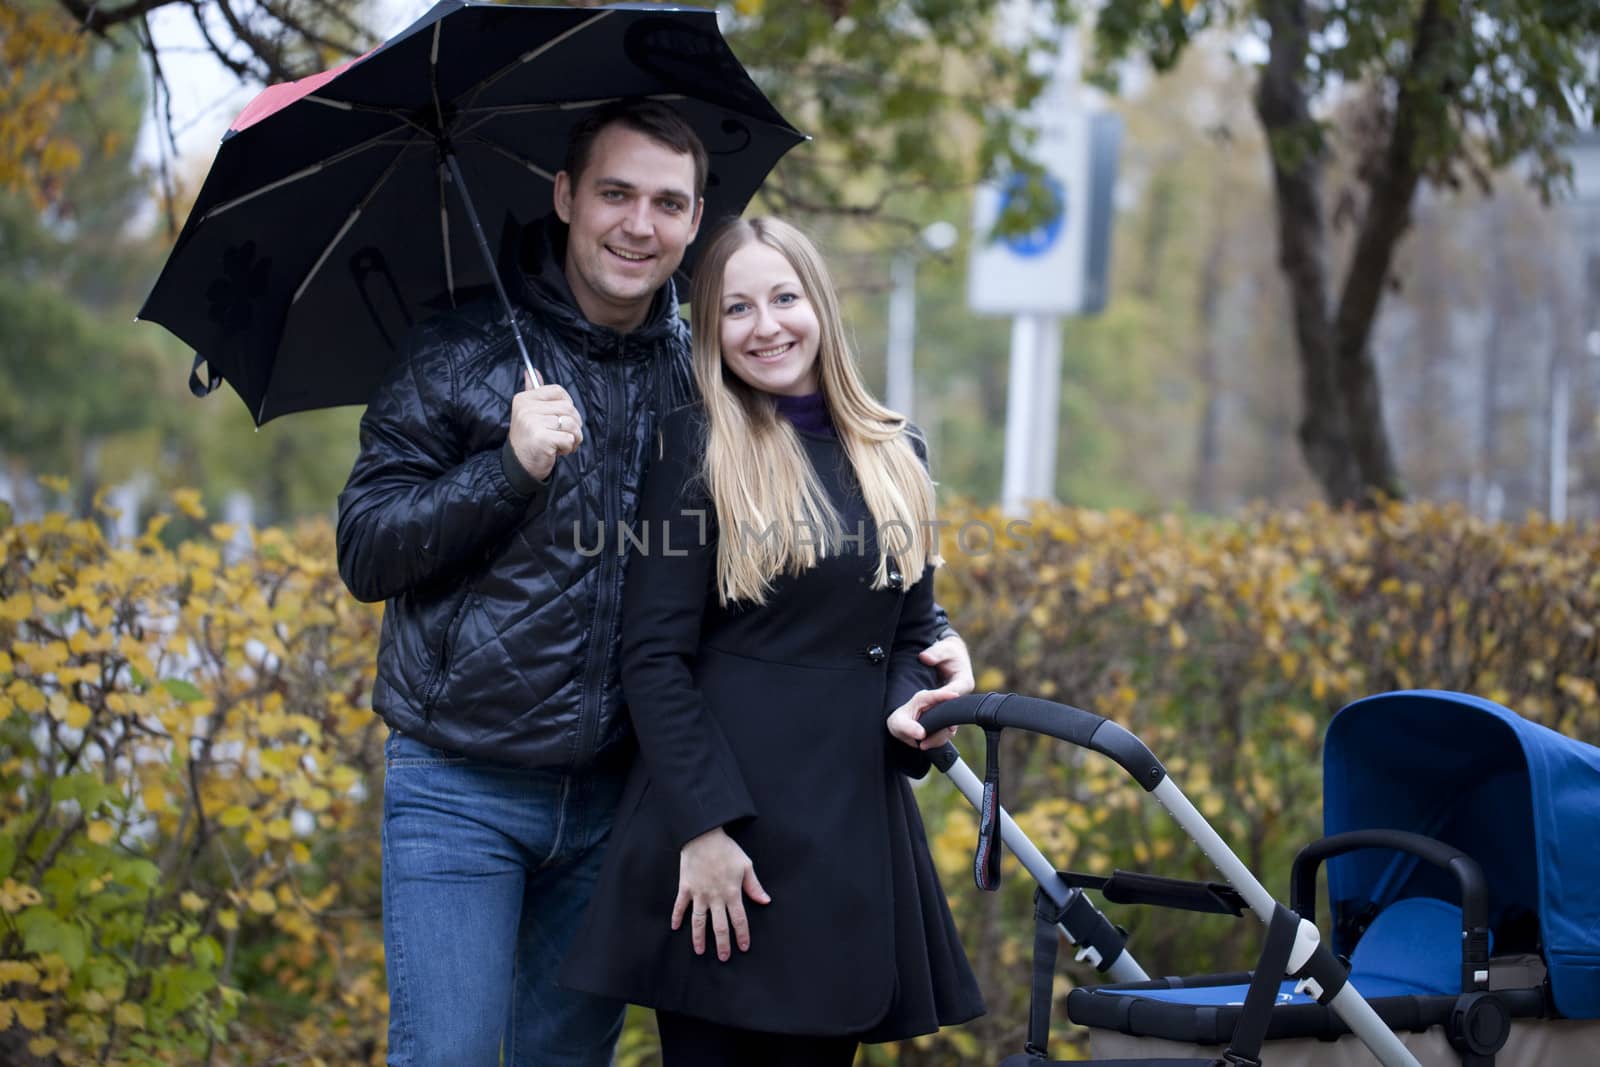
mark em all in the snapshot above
pixel 561 422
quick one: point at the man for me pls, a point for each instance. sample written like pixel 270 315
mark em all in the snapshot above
pixel 472 509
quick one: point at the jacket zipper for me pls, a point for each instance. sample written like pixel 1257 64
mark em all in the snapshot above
pixel 607 596
pixel 445 647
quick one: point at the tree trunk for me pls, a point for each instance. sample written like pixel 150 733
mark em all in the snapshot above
pixel 1298 159
pixel 1347 445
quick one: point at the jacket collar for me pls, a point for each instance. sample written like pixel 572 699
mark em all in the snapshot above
pixel 546 291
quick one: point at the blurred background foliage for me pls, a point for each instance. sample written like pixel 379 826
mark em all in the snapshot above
pixel 1192 390
pixel 191 780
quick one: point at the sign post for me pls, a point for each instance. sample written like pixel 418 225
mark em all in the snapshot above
pixel 1056 269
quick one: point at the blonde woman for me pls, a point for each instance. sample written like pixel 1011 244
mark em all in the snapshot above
pixel 768 888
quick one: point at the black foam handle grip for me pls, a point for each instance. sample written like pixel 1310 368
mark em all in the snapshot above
pixel 1010 710
pixel 994 711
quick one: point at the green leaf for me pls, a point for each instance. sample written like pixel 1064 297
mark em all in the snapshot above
pixel 44 931
pixel 85 788
pixel 206 952
pixel 176 987
pixel 8 854
pixel 136 872
pixel 185 691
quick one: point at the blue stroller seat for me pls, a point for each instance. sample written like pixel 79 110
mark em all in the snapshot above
pixel 1429 797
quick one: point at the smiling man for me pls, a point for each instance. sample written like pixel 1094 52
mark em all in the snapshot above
pixel 497 668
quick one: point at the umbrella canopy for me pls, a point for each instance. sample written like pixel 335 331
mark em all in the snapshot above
pixel 1521 799
pixel 334 217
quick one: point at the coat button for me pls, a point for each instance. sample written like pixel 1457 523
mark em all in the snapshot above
pixel 876 654
pixel 896 579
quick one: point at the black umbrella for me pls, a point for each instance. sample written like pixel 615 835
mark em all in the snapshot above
pixel 336 213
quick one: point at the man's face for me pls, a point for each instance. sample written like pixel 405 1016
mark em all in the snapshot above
pixel 630 215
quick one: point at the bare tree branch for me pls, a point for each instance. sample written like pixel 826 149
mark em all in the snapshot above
pixel 270 53
pixel 242 71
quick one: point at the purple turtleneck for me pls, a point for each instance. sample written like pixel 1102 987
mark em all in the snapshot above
pixel 808 413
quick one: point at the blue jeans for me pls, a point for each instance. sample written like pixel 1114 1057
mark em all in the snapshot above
pixel 486 871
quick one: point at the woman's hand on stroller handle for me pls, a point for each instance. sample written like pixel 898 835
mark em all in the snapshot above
pixel 949 656
pixel 714 877
pixel 903 722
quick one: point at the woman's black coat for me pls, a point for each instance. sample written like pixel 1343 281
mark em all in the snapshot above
pixel 769 720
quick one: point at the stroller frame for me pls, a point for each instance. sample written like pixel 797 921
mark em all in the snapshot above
pixel 1320 973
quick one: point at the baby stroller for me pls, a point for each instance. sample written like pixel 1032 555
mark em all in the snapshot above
pixel 1464 878
pixel 1293 947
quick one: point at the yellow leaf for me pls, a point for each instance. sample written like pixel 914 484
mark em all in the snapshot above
pixel 78 715
pixel 991 679
pixel 129 1015
pixel 262 903
pixel 235 815
pixel 30 1014
pixel 17 971
pixel 42 1046
pixel 279 829
pixel 101 832
pixel 228 919
pixel 188 502
pixel 192 901
pixel 16 608
pixel 29 699
pixel 6 1015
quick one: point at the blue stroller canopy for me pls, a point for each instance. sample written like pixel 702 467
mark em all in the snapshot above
pixel 1521 799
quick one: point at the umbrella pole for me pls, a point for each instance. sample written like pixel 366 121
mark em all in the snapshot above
pixel 489 260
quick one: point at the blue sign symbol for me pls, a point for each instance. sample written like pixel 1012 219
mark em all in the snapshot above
pixel 1037 241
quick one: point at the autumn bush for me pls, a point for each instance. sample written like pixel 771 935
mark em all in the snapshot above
pixel 190 776
pixel 188 847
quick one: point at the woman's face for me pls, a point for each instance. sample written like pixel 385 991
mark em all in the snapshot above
pixel 769 330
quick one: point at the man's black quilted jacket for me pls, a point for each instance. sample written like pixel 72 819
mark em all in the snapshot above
pixel 500 637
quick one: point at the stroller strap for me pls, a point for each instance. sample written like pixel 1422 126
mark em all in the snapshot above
pixel 1251 1030
pixel 1089 927
pixel 986 860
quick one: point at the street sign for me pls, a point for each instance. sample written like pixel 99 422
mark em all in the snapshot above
pixel 1060 267
pixel 1040 271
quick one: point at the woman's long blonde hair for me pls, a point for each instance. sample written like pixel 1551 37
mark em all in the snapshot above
pixel 774 516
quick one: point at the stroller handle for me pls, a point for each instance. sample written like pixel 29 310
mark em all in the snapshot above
pixel 995 711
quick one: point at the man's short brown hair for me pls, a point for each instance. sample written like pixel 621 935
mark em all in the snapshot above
pixel 652 118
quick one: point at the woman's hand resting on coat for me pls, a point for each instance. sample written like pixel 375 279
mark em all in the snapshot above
pixel 714 876
pixel 904 721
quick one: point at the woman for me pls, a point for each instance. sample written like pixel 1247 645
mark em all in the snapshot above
pixel 776 601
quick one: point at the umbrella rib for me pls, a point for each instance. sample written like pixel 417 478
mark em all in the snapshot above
pixel 355 213
pixel 521 161
pixel 305 172
pixel 559 105
pixel 484 114
pixel 533 54
pixel 444 237
pixel 433 76
pixel 373 109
